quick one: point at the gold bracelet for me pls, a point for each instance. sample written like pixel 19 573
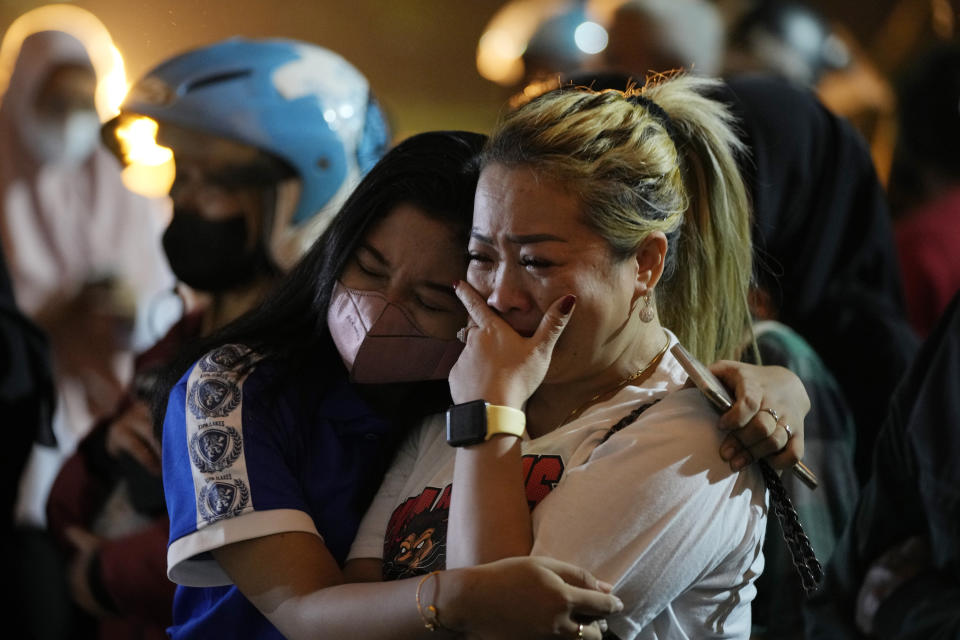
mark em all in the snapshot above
pixel 433 622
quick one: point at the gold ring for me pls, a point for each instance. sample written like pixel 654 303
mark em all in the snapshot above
pixel 580 632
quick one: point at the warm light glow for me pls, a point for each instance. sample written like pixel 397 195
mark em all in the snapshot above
pixel 114 84
pixel 504 40
pixel 943 18
pixel 85 27
pixel 498 57
pixel 501 47
pixel 152 181
pixel 150 167
pixel 138 141
pixel 590 37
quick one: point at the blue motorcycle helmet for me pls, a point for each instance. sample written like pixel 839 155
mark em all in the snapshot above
pixel 296 101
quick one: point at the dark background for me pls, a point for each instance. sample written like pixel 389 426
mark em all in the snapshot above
pixel 418 54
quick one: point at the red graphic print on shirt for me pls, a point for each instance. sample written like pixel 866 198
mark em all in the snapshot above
pixel 415 541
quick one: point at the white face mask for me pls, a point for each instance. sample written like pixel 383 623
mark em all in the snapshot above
pixel 65 142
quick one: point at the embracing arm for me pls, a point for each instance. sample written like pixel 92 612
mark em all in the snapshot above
pixel 754 433
pixel 295 582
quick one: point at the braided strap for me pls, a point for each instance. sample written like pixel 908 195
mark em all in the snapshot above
pixel 804 559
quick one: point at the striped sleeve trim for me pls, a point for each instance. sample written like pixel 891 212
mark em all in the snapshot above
pixel 188 559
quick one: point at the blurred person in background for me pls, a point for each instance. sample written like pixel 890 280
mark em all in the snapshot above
pixel 792 40
pixel 26 401
pixel 826 303
pixel 925 184
pixel 84 261
pixel 662 35
pixel 260 167
pixel 825 244
pixel 896 570
pixel 83 252
pixel 785 38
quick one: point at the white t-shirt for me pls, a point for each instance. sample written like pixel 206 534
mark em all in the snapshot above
pixel 654 510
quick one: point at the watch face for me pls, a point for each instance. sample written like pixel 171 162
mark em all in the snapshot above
pixel 467 423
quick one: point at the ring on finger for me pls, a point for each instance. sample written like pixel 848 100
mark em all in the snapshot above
pixel 773 413
pixel 580 632
pixel 462 334
pixel 789 431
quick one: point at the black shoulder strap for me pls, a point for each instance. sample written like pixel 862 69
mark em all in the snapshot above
pixel 627 420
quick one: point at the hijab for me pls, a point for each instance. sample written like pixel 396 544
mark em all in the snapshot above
pixel 66 224
pixel 823 242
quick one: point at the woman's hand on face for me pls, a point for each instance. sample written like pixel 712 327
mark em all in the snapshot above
pixel 754 431
pixel 532 597
pixel 498 364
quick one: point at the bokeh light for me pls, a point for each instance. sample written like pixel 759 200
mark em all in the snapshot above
pixel 149 167
pixel 590 37
pixel 85 27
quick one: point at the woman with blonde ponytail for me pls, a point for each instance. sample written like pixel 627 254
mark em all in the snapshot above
pixel 608 226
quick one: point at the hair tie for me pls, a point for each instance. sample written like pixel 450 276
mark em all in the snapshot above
pixel 657 112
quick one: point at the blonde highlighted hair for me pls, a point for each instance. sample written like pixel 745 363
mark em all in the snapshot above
pixel 660 158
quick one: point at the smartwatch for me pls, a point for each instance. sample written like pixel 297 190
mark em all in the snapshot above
pixel 477 421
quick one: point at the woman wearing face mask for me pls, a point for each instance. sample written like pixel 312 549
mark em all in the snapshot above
pixel 276 439
pixel 606 227
pixel 83 251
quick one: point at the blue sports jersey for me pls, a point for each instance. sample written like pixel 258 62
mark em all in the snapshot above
pixel 246 454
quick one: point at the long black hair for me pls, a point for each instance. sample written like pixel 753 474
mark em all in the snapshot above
pixel 434 171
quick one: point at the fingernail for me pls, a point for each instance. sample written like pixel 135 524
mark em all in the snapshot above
pixel 727 451
pixel 567 304
pixel 604 586
pixel 740 462
pixel 617 604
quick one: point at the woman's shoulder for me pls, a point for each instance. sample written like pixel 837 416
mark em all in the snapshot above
pixel 231 362
pixel 214 385
pixel 675 408
pixel 228 360
pixel 678 431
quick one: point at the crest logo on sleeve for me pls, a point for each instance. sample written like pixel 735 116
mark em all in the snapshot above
pixel 213 450
pixel 225 499
pixel 213 397
pixel 225 358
